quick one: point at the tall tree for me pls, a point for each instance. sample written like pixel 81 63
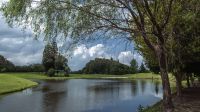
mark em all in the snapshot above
pixel 142 68
pixel 145 19
pixel 134 66
pixel 49 56
pixel 61 63
pixel 185 42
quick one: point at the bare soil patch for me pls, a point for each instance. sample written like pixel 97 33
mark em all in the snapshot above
pixel 190 102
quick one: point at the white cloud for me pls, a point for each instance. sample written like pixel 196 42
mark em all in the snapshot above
pixel 97 50
pixel 126 57
pixel 82 55
pixel 23 59
pixel 22 51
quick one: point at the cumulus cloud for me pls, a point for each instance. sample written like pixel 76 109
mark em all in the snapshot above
pixel 126 57
pixel 82 55
pixel 18 46
pixel 22 51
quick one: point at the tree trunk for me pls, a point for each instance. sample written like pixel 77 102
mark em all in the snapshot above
pixel 167 97
pixel 191 79
pixel 178 84
pixel 188 80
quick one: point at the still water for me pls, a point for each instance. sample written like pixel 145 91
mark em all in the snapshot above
pixel 81 95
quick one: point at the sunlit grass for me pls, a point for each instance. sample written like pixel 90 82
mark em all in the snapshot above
pixel 9 83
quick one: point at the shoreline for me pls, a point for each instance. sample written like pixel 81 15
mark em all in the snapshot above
pixel 11 84
pixel 22 81
pixel 39 76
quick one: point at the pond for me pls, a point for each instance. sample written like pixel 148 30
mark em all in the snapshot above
pixel 82 95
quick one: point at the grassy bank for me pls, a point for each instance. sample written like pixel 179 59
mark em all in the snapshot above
pixel 71 76
pixel 10 83
pixel 86 76
pixel 143 76
pixel 158 106
pixel 155 108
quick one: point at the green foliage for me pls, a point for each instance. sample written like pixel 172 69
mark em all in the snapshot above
pixel 140 108
pixel 49 56
pixel 61 62
pixel 5 65
pixel 142 68
pixel 185 41
pixel 134 66
pixel 74 18
pixel 30 68
pixel 51 72
pixel 105 66
pixel 66 71
pixel 53 59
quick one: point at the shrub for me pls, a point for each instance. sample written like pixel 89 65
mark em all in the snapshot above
pixel 3 70
pixel 51 72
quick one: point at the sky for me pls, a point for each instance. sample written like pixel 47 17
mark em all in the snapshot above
pixel 21 48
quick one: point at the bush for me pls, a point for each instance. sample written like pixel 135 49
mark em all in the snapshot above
pixel 3 70
pixel 51 72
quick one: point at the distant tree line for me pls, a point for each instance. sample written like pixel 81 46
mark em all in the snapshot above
pixel 7 66
pixel 30 68
pixel 53 62
pixel 110 66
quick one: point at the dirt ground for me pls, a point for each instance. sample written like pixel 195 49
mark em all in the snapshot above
pixel 190 101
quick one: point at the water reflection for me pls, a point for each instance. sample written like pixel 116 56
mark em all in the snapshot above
pixel 81 95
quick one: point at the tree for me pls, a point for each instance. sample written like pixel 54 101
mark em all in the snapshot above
pixel 142 18
pixel 5 65
pixel 142 68
pixel 52 59
pixel 61 64
pixel 134 66
pixel 49 56
pixel 105 66
pixel 67 70
pixel 185 42
pixel 148 55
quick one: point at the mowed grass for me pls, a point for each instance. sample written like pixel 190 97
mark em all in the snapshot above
pixel 86 76
pixel 143 76
pixel 10 83
pixel 60 77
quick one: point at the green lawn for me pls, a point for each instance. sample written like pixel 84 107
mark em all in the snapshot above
pixel 10 83
pixel 86 76
pixel 143 76
pixel 72 76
